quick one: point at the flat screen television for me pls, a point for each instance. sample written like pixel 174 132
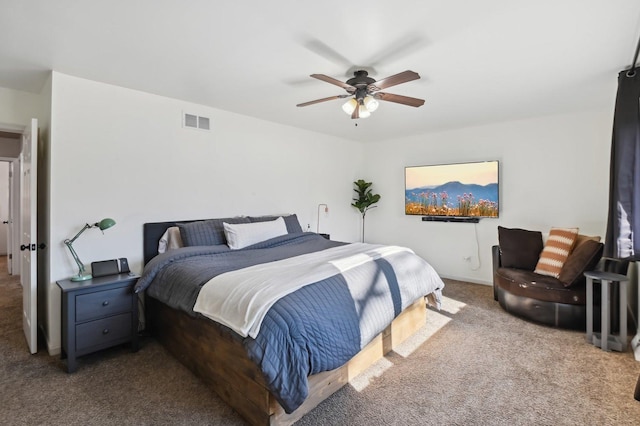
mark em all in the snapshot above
pixel 466 190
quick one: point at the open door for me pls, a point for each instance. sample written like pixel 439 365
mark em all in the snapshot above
pixel 28 221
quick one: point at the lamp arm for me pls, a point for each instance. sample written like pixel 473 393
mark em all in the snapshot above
pixel 84 228
pixel 69 244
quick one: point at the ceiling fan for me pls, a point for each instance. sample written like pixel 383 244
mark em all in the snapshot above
pixel 365 92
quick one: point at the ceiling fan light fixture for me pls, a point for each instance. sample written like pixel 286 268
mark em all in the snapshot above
pixel 349 106
pixel 363 113
pixel 371 103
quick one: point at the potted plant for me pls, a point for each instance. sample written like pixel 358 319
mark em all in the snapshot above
pixel 365 201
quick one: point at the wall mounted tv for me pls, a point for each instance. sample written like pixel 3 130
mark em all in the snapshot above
pixel 449 191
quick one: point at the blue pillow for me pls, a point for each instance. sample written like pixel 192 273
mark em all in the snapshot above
pixel 208 232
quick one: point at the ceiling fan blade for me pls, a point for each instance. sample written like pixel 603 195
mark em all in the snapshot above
pixel 397 49
pixel 330 98
pixel 399 99
pixel 349 88
pixel 327 52
pixel 393 80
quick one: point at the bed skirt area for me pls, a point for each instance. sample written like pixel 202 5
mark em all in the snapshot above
pixel 217 356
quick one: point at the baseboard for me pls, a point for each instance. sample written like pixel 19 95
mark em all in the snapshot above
pixel 466 279
pixel 54 351
pixel 43 335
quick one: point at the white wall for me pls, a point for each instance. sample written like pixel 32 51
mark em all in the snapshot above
pixel 123 154
pixel 17 108
pixel 553 172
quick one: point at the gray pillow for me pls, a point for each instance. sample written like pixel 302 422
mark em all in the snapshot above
pixel 293 225
pixel 208 232
pixel 582 258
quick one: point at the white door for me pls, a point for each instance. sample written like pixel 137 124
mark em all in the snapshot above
pixel 10 242
pixel 28 231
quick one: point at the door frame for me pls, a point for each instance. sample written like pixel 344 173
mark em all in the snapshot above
pixel 28 161
pixel 14 265
pixel 13 227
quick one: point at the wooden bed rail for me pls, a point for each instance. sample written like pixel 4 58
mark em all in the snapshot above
pixel 217 356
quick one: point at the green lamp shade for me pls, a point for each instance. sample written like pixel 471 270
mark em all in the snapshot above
pixel 106 223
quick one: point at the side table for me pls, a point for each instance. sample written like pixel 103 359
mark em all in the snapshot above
pixel 604 339
pixel 97 314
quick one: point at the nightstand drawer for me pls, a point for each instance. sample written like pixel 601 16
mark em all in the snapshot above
pixel 103 303
pixel 104 332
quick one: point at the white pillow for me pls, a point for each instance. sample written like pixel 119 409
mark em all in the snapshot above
pixel 241 235
pixel 170 240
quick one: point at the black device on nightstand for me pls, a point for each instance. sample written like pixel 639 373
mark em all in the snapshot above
pixel 104 268
pixel 124 265
pixel 110 267
pixel 97 314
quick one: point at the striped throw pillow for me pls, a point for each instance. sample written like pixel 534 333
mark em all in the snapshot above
pixel 556 251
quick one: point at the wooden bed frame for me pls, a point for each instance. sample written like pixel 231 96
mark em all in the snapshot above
pixel 217 355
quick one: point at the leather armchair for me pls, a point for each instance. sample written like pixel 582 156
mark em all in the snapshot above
pixel 545 299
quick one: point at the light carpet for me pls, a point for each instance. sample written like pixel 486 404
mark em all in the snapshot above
pixel 472 364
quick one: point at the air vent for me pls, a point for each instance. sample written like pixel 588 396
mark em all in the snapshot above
pixel 196 122
pixel 203 123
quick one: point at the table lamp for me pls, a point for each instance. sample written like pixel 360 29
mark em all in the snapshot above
pixel 82 275
pixel 326 210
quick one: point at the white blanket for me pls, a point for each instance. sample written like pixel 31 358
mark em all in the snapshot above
pixel 240 299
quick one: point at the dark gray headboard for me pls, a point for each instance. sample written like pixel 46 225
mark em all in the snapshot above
pixel 153 231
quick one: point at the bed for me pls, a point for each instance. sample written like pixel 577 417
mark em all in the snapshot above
pixel 276 360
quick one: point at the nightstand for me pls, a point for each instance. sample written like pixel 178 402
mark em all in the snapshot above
pixel 97 314
pixel 603 339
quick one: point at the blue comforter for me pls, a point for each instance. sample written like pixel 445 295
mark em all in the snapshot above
pixel 316 328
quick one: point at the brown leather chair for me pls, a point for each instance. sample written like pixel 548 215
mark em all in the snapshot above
pixel 548 300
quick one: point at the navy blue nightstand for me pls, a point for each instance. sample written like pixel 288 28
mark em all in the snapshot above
pixel 97 314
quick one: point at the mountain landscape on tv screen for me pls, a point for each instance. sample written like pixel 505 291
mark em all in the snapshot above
pixel 453 199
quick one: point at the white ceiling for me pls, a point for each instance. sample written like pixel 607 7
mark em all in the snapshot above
pixel 480 61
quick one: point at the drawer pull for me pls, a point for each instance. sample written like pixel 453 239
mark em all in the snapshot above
pixel 105 331
pixel 105 303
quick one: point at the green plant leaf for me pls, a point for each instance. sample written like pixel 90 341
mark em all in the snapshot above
pixel 366 198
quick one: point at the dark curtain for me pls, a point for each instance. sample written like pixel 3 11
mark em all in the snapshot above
pixel 624 184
